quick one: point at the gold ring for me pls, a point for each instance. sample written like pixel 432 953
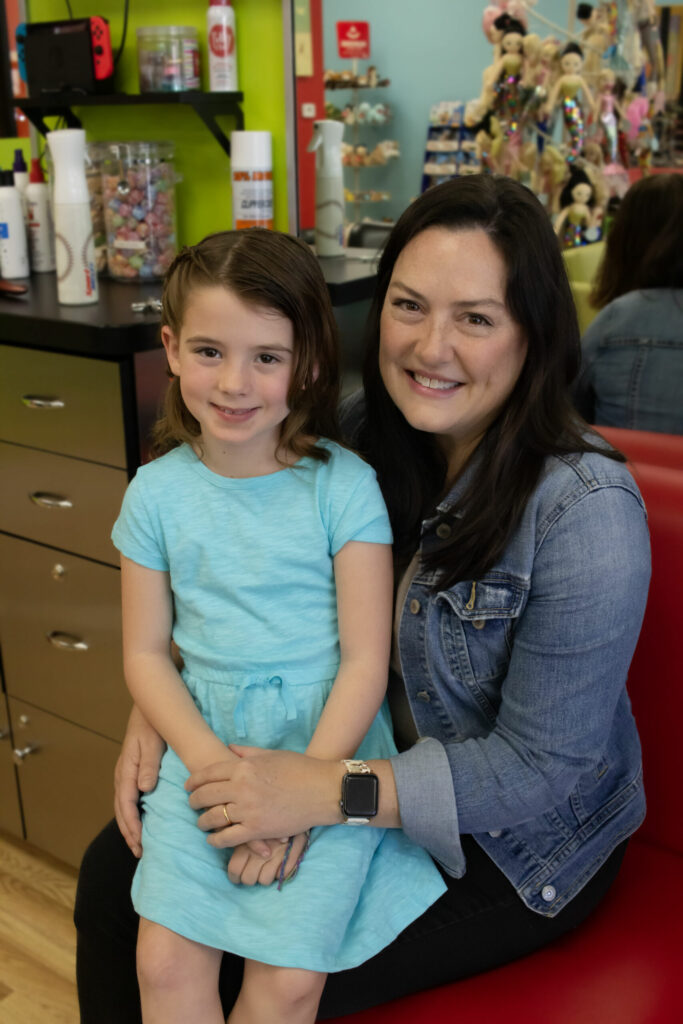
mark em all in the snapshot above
pixel 226 815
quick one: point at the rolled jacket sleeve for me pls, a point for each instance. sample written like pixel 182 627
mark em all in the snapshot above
pixel 429 813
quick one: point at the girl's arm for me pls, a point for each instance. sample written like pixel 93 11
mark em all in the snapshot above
pixel 363 574
pixel 151 675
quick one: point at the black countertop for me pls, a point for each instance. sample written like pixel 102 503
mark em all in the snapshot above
pixel 109 329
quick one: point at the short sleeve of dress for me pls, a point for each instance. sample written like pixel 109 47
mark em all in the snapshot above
pixel 136 532
pixel 354 504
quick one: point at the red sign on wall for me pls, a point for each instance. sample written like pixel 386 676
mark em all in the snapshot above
pixel 353 39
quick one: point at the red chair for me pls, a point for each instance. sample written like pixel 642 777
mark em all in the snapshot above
pixel 646 446
pixel 624 965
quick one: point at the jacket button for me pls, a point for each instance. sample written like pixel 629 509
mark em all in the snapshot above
pixel 424 696
pixel 496 833
pixel 414 606
pixel 479 623
pixel 443 530
pixel 548 893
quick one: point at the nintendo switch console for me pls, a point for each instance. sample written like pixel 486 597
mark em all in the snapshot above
pixel 65 56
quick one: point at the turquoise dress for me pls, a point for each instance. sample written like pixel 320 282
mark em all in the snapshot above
pixel 250 564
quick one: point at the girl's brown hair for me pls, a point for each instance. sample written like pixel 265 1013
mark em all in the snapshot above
pixel 644 247
pixel 278 271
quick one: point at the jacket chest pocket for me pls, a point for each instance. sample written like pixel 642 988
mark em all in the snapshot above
pixel 477 627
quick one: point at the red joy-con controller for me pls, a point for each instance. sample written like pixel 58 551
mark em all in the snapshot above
pixel 103 59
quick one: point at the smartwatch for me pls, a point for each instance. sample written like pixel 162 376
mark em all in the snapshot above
pixel 359 793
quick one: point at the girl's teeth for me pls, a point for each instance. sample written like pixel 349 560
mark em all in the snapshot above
pixel 430 382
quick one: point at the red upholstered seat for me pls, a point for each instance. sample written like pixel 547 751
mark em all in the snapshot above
pixel 646 446
pixel 625 964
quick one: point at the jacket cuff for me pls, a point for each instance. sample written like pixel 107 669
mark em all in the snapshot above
pixel 426 800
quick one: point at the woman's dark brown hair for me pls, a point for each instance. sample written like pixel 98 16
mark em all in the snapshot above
pixel 277 271
pixel 644 248
pixel 537 420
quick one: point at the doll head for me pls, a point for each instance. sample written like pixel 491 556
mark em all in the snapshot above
pixel 532 46
pixel 606 80
pixel 571 59
pixel 578 189
pixel 491 15
pixel 513 37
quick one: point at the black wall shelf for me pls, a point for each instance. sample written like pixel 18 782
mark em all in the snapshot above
pixel 207 106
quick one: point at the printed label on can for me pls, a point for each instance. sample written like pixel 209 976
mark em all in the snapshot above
pixel 252 198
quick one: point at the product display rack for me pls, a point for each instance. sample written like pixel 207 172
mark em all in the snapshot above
pixel 207 106
pixel 357 195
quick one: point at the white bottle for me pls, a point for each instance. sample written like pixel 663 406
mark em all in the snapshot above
pixel 329 187
pixel 13 249
pixel 41 235
pixel 251 163
pixel 74 243
pixel 221 45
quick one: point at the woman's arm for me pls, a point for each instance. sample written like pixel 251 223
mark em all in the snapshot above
pixel 152 677
pixel 363 577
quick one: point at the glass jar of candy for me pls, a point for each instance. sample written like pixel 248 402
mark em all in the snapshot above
pixel 93 176
pixel 138 184
pixel 168 58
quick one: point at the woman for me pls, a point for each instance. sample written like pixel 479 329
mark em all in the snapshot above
pixel 632 374
pixel 523 560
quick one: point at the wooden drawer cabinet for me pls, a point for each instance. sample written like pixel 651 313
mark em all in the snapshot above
pixel 66 778
pixel 79 389
pixel 60 630
pixel 56 500
pixel 62 403
pixel 10 808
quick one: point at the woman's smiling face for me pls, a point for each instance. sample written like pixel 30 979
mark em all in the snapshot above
pixel 450 353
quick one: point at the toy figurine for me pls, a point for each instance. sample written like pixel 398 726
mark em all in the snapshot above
pixel 607 105
pixel 505 76
pixel 576 217
pixel 595 38
pixel 568 86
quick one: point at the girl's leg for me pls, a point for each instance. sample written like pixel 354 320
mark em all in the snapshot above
pixel 278 995
pixel 178 978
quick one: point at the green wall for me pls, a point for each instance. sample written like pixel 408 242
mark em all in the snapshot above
pixel 203 195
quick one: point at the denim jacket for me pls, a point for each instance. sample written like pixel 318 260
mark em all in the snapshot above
pixel 632 374
pixel 517 687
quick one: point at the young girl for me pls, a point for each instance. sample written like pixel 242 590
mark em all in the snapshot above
pixel 262 549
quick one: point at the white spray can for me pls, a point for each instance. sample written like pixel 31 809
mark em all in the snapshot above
pixel 251 161
pixel 41 235
pixel 329 187
pixel 13 249
pixel 220 39
pixel 74 244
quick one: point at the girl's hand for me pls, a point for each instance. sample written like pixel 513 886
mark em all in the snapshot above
pixel 245 868
pixel 136 771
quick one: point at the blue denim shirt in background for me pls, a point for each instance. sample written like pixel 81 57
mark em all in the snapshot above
pixel 517 686
pixel 632 374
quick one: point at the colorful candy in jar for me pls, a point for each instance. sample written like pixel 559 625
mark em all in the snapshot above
pixel 139 203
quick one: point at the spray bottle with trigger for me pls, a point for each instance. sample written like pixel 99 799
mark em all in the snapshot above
pixel 329 187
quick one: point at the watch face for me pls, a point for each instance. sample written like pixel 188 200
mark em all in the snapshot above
pixel 359 796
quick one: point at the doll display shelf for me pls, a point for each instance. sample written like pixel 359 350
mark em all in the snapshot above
pixel 207 106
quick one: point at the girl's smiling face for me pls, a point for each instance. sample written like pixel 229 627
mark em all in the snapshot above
pixel 450 353
pixel 234 361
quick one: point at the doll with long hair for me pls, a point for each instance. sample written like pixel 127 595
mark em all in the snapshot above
pixel 566 91
pixel 577 216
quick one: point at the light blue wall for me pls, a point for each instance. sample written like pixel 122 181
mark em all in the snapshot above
pixel 431 50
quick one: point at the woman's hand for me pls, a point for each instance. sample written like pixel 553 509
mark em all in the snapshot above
pixel 267 793
pixel 136 771
pixel 245 868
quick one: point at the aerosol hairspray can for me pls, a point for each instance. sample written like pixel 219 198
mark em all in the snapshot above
pixel 74 244
pixel 251 160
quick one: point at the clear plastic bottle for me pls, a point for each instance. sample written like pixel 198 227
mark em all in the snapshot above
pixel 221 47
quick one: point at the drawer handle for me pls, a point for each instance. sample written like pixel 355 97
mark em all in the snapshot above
pixel 41 402
pixel 46 500
pixel 18 755
pixel 66 642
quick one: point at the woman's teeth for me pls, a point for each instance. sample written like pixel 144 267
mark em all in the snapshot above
pixel 432 382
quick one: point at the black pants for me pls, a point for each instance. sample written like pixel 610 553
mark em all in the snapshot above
pixel 479 924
